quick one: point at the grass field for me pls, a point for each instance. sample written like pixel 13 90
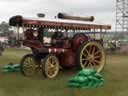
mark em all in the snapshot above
pixel 14 84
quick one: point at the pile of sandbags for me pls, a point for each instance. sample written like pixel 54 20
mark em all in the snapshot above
pixel 86 78
pixel 11 67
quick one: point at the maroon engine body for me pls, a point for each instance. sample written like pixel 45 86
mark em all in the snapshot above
pixel 63 47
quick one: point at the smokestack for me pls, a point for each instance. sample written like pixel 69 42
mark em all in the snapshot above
pixel 41 15
pixel 66 16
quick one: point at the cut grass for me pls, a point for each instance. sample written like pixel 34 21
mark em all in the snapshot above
pixel 14 84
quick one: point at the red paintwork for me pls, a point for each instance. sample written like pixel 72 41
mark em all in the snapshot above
pixel 52 24
pixel 68 59
pixel 33 44
pixel 78 39
pixel 21 21
pixel 29 34
pixel 67 43
pixel 65 48
pixel 30 40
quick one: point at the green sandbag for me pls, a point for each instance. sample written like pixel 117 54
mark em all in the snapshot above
pixel 101 84
pixel 74 85
pixel 97 75
pixel 96 80
pixel 86 72
pixel 84 84
pixel 4 70
pixel 78 79
pixel 16 70
pixel 7 66
pixel 16 66
pixel 98 84
pixel 91 84
pixel 92 78
pixel 73 79
pixel 102 79
pixel 11 68
pixel 7 70
pixel 87 78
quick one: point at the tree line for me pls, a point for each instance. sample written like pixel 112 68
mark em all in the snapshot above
pixel 5 29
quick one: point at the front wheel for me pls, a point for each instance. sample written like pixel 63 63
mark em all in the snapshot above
pixel 91 55
pixel 28 66
pixel 50 66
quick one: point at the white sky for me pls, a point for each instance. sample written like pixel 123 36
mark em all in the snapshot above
pixel 103 10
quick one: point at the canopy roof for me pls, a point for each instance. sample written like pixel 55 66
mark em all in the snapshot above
pixel 55 23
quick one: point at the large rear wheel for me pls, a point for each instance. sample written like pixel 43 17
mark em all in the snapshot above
pixel 50 66
pixel 91 55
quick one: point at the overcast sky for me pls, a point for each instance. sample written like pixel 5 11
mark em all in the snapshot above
pixel 103 10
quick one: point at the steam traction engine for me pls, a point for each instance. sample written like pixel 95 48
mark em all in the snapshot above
pixel 60 42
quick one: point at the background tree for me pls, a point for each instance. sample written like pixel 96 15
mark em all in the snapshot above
pixel 5 29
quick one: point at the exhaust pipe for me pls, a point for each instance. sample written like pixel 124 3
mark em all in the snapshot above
pixel 66 16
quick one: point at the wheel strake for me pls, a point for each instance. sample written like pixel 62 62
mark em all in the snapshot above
pixel 51 67
pixel 92 55
pixel 28 66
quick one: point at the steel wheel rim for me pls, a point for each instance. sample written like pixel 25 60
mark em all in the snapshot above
pixel 92 56
pixel 29 66
pixel 52 66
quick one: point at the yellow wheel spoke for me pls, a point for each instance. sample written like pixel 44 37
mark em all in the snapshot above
pixel 92 56
pixel 54 63
pixel 29 67
pixel 87 51
pixel 51 66
pixel 54 69
pixel 84 59
pixel 48 67
pixel 85 63
pixel 94 64
pixel 89 64
pixel 51 61
pixel 26 62
pixel 84 54
pixel 93 50
pixel 30 61
pixel 50 72
pixel 97 56
pixel 96 52
pixel 90 49
pixel 97 61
